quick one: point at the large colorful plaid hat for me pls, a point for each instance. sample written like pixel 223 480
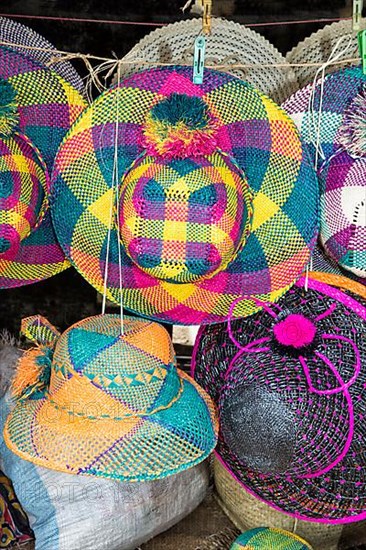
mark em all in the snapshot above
pixel 338 114
pixel 27 41
pixel 211 203
pixel 269 538
pixel 48 105
pixel 290 384
pixel 97 402
pixel 28 249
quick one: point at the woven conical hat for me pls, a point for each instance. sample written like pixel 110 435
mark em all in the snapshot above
pixel 317 48
pixel 229 43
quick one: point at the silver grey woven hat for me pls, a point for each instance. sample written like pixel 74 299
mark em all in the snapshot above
pixel 16 33
pixel 317 48
pixel 228 44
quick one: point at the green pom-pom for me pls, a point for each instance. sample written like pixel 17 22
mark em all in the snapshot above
pixel 191 110
pixel 9 116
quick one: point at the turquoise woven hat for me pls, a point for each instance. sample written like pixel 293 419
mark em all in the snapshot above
pixel 269 538
pixel 98 402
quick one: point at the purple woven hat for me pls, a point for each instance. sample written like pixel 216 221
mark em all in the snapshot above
pixel 339 116
pixel 290 385
pixel 26 38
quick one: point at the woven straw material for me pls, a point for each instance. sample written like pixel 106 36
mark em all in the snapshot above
pixel 259 139
pixel 287 429
pixel 229 43
pixel 247 512
pixel 16 33
pixel 328 271
pixel 341 173
pixel 317 48
pixel 115 406
pixel 48 105
pixel 269 538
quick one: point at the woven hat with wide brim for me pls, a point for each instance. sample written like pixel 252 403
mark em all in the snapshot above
pixel 269 538
pixel 317 48
pixel 338 115
pixel 37 108
pixel 94 401
pixel 229 45
pixel 290 386
pixel 32 44
pixel 211 202
pixel 48 105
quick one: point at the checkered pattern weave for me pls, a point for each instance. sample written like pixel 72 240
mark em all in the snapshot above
pixel 269 538
pixel 264 144
pixel 115 406
pixel 341 174
pixel 47 106
pixel 16 33
pixel 181 221
pixel 285 434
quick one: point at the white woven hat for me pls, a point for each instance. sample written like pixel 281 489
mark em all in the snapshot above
pixel 229 43
pixel 317 48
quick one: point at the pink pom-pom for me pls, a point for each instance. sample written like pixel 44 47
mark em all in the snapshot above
pixel 295 331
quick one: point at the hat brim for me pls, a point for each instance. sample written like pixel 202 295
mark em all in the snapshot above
pixel 337 496
pixel 339 89
pixel 48 105
pixel 132 449
pixel 32 44
pixel 265 144
pixel 39 257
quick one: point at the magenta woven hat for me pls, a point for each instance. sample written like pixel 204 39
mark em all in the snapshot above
pixel 192 195
pixel 290 385
pixel 342 161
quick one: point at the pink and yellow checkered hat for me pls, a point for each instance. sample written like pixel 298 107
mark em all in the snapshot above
pixel 196 191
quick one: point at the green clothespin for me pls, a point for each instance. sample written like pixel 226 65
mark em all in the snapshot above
pixel 362 48
pixel 357 14
pixel 199 59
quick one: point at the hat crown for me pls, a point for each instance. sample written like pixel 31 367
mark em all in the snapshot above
pixel 184 219
pixel 135 369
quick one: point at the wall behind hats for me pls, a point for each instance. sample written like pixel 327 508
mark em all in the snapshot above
pixel 66 298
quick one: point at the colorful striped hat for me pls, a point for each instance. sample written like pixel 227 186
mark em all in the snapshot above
pixel 269 538
pixel 290 385
pixel 210 202
pixel 37 107
pixel 95 401
pixel 342 160
pixel 25 40
pixel 48 105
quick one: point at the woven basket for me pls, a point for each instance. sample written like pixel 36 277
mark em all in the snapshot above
pixel 317 48
pixel 247 512
pixel 229 43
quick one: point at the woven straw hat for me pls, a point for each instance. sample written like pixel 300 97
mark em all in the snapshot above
pixel 342 164
pixel 28 248
pixel 267 538
pixel 248 512
pixel 290 386
pixel 47 104
pixel 32 44
pixel 95 402
pixel 228 44
pixel 211 202
pixel 317 48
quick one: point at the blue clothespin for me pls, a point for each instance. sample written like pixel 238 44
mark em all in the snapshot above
pixel 357 14
pixel 199 59
pixel 362 49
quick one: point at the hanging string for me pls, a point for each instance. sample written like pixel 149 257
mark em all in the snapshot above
pixel 116 187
